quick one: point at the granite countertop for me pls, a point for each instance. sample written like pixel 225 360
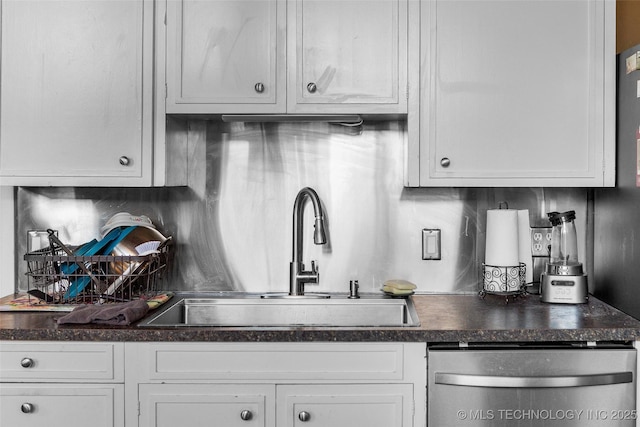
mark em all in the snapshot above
pixel 443 318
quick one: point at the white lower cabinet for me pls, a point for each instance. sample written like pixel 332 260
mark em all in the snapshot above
pixel 70 384
pixel 157 384
pixel 371 405
pixel 63 405
pixel 264 405
pixel 276 384
pixel 228 405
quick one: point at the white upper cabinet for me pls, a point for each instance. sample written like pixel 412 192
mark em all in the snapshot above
pixel 516 93
pixel 349 55
pixel 226 56
pixel 76 93
pixel 286 56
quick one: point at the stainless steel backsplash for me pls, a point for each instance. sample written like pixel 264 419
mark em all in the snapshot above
pixel 232 224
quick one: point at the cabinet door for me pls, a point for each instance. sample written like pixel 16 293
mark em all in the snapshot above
pixel 371 405
pixel 200 405
pixel 517 93
pixel 61 405
pixel 226 56
pixel 349 55
pixel 76 92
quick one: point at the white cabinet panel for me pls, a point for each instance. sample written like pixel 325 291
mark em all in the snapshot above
pixel 264 56
pixel 374 405
pixel 76 92
pixel 170 405
pixel 347 52
pixel 48 361
pixel 337 384
pixel 384 405
pixel 55 383
pixel 62 405
pixel 311 361
pixel 225 56
pixel 517 93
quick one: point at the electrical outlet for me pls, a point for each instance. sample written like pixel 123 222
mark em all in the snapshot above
pixel 540 241
pixel 431 244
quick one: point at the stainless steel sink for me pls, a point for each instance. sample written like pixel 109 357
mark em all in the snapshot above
pixel 369 311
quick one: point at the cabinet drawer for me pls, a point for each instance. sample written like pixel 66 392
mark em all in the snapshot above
pixel 67 405
pixel 61 362
pixel 371 405
pixel 169 405
pixel 262 361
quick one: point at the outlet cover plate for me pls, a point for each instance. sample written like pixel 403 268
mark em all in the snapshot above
pixel 431 244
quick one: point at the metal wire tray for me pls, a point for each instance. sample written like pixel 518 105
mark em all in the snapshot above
pixel 503 280
pixel 57 277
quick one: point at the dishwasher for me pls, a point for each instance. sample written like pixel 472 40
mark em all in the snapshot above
pixel 573 384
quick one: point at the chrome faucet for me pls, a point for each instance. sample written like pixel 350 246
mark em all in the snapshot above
pixel 297 274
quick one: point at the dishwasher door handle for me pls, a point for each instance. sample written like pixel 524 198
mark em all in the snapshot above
pixel 470 380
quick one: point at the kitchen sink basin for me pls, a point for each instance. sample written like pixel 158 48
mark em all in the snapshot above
pixel 336 311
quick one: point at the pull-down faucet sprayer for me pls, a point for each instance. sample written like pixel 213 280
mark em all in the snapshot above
pixel 297 274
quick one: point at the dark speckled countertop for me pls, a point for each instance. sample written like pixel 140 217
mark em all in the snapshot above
pixel 443 318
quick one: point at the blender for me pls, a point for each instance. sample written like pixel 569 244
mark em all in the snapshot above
pixel 563 280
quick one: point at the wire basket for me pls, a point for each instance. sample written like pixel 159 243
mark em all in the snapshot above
pixel 57 277
pixel 501 280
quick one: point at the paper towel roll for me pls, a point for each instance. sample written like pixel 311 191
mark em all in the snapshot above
pixel 524 242
pixel 502 238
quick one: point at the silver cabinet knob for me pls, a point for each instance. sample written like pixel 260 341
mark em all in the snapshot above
pixel 259 87
pixel 27 408
pixel 27 362
pixel 246 415
pixel 304 416
pixel 445 162
pixel 311 87
pixel 124 160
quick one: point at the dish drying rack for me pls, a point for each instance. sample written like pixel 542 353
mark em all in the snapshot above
pixel 57 276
